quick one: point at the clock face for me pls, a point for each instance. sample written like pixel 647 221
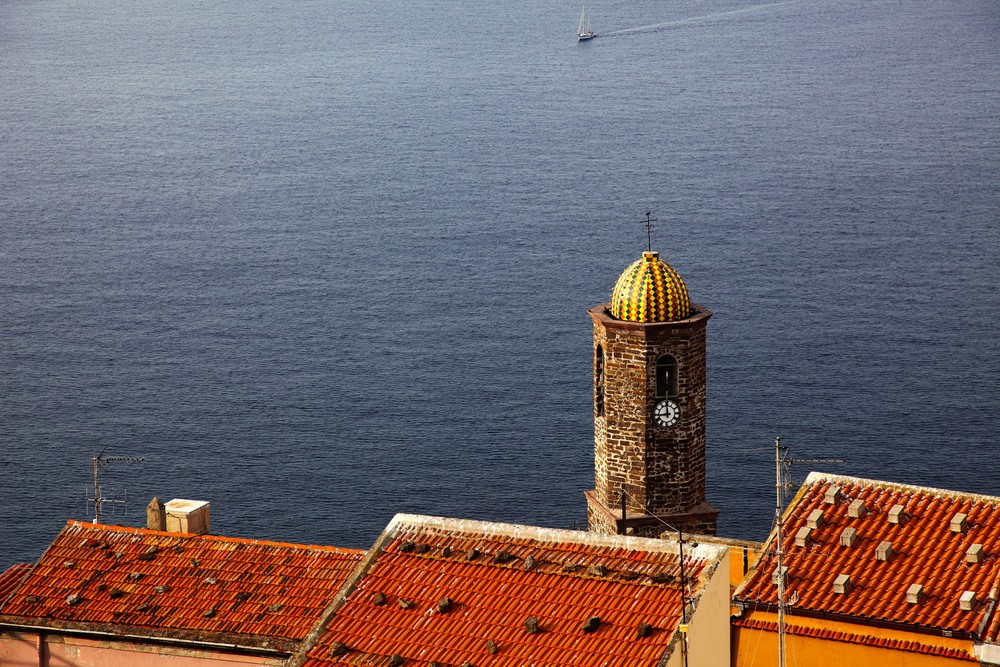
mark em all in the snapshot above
pixel 666 413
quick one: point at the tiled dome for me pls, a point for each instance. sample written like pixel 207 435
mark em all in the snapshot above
pixel 650 291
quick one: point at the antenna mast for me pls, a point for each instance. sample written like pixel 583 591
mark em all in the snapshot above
pixel 782 467
pixel 98 499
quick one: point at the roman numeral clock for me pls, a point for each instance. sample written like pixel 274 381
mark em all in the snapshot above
pixel 649 406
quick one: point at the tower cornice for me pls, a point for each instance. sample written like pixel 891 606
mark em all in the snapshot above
pixel 601 314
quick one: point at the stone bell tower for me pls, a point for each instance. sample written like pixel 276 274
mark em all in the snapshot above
pixel 649 406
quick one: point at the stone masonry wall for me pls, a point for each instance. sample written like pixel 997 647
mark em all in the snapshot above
pixel 675 455
pixel 661 468
pixel 608 520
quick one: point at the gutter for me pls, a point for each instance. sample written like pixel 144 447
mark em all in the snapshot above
pixel 858 620
pixel 992 597
pixel 144 639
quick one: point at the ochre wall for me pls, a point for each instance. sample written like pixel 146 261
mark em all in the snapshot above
pixel 709 635
pixel 759 648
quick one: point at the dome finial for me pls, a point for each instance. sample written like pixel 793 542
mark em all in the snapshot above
pixel 649 230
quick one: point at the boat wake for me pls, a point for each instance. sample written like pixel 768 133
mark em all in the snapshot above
pixel 693 20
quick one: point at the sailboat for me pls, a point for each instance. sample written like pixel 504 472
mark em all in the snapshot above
pixel 584 32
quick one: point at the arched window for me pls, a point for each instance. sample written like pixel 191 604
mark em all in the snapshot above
pixel 599 381
pixel 666 376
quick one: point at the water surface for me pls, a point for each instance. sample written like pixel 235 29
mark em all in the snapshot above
pixel 321 262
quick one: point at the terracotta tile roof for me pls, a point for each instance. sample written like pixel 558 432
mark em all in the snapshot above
pixel 908 646
pixel 922 549
pixel 447 591
pixel 132 580
pixel 11 578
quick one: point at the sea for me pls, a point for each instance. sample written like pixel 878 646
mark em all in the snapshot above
pixel 323 261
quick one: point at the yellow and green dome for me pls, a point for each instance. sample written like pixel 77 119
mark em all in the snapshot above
pixel 650 291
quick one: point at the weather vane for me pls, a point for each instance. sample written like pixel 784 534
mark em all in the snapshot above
pixel 649 230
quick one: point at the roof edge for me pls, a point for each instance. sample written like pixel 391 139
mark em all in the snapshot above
pixel 225 641
pixel 816 477
pixel 873 621
pixel 848 637
pixel 134 530
pixel 704 551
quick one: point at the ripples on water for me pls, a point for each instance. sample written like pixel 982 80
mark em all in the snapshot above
pixel 319 263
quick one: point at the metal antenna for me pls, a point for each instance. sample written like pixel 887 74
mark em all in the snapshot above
pixel 649 230
pixel 782 468
pixel 98 499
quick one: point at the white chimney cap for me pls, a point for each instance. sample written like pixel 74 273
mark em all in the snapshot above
pixel 188 516
pixel 184 506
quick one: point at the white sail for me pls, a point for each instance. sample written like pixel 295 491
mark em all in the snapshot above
pixel 583 31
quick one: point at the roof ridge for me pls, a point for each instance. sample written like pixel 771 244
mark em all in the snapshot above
pixel 816 477
pixel 492 529
pixel 135 530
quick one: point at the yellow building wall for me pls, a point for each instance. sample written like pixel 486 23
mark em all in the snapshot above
pixel 709 631
pixel 759 647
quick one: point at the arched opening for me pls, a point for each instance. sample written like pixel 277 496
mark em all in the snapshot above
pixel 666 377
pixel 599 381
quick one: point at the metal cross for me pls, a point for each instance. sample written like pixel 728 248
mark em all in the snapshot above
pixel 649 230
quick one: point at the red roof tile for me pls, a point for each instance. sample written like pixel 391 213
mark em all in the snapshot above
pixel 11 578
pixel 924 550
pixel 496 577
pixel 168 584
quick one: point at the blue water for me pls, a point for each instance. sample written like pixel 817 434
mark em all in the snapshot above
pixel 322 262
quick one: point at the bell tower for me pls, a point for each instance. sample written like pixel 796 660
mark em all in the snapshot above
pixel 649 406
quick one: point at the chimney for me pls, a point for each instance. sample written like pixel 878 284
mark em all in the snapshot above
pixel 974 554
pixel 913 593
pixel 857 509
pixel 958 523
pixel 156 516
pixel 815 519
pixel 968 601
pixel 841 584
pixel 896 514
pixel 802 537
pixel 832 495
pixel 781 574
pixel 188 516
pixel 884 551
pixel 847 537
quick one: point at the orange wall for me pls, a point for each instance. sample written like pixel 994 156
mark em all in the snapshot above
pixel 759 648
pixel 738 553
pixel 21 650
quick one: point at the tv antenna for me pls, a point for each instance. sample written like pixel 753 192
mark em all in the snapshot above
pixel 782 469
pixel 98 499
